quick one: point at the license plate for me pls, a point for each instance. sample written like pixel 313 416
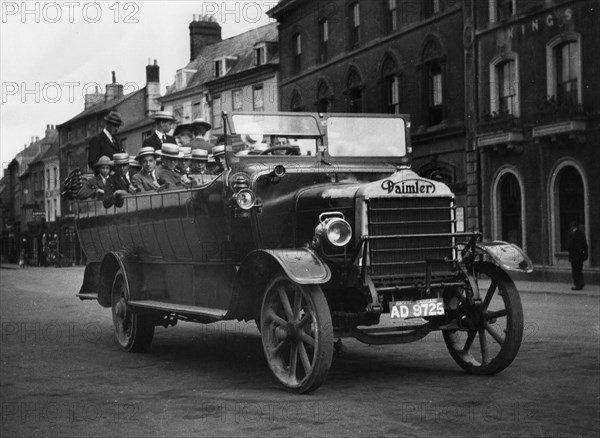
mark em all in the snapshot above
pixel 417 309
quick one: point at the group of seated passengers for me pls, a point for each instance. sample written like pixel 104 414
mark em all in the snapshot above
pixel 181 167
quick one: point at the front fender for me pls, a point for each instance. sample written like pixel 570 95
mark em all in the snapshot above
pixel 506 255
pixel 300 264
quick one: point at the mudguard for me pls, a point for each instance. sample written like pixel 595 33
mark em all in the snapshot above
pixel 506 255
pixel 300 264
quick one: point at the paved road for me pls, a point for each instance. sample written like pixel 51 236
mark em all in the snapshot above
pixel 61 374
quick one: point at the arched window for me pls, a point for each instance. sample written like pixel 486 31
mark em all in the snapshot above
pixel 563 69
pixel 354 92
pixel 296 102
pixel 570 202
pixel 391 86
pixel 323 97
pixel 510 210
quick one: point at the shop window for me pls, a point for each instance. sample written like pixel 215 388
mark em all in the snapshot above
pixel 510 210
pixel 354 93
pixel 391 86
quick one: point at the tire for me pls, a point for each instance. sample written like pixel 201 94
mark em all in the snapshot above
pixel 297 334
pixel 497 323
pixel 133 331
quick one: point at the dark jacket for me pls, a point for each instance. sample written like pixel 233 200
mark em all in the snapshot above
pixel 156 142
pixel 144 181
pixel 100 145
pixel 577 246
pixel 169 178
pixel 91 186
pixel 115 182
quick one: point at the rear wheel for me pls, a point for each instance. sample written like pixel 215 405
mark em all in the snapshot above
pixel 490 332
pixel 133 331
pixel 297 334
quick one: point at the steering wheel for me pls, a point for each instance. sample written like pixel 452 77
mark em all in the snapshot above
pixel 290 150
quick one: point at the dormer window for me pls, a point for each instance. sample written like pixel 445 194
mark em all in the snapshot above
pixel 182 77
pixel 221 66
pixel 260 54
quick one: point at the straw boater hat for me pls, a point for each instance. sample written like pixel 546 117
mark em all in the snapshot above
pixel 103 161
pixel 163 115
pixel 114 118
pixel 185 152
pixel 121 158
pixel 148 150
pixel 133 162
pixel 200 155
pixel 218 151
pixel 169 150
pixel 201 122
pixel 252 139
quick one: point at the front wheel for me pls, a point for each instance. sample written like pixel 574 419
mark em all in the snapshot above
pixel 133 331
pixel 297 334
pixel 491 331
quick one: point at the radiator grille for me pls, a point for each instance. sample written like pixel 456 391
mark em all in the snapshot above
pixel 405 257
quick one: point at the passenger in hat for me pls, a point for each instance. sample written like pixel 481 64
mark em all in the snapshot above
pixel 219 155
pixel 184 134
pixel 183 164
pixel 147 179
pixel 163 122
pixel 198 173
pixel 134 165
pixel 119 183
pixel 106 143
pixel 200 127
pixel 95 186
pixel 169 154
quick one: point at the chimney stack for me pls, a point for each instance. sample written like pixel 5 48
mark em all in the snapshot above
pixel 203 32
pixel 113 90
pixel 152 87
pixel 93 99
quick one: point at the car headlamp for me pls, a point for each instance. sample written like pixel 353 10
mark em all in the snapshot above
pixel 335 229
pixel 245 199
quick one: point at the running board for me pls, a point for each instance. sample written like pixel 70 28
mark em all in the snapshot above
pixel 87 296
pixel 178 308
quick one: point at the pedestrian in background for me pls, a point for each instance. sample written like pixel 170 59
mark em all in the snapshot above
pixel 578 253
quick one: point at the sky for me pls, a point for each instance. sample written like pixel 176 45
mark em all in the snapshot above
pixel 52 52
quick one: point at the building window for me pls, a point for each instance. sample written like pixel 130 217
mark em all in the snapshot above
pixel 566 72
pixel 216 112
pixel 296 102
pixel 504 85
pixel 55 176
pixel 259 55
pixel 324 97
pixel 570 202
pixel 563 69
pixel 196 110
pixel 55 211
pixel 323 39
pixel 217 69
pixel 354 26
pixel 297 51
pixel 257 99
pixel 391 19
pixel 431 7
pixel 506 9
pixel 433 83
pixel 354 93
pixel 510 210
pixel 48 214
pixel 48 179
pixel 237 100
pixel 391 86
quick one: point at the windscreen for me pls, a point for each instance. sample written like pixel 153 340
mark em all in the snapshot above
pixel 366 136
pixel 272 124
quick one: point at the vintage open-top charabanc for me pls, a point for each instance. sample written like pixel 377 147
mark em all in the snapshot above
pixel 326 233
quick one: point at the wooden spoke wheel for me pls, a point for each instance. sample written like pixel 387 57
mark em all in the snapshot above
pixel 133 331
pixel 297 334
pixel 490 332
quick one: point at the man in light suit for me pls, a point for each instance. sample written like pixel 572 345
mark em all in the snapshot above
pixel 147 178
pixel 163 120
pixel 106 143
